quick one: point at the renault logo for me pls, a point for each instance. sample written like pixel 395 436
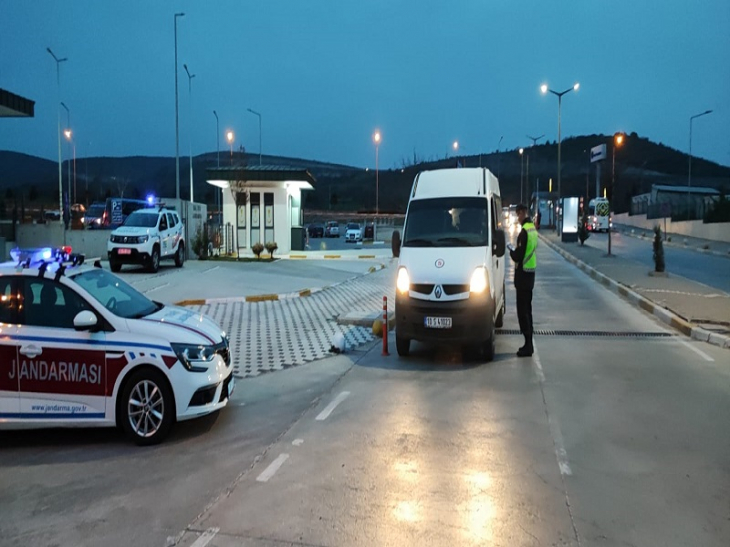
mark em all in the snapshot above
pixel 439 263
pixel 438 291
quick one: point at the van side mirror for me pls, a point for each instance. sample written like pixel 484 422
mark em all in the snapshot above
pixel 498 243
pixel 395 243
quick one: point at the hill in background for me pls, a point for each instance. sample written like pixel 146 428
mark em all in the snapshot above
pixel 639 164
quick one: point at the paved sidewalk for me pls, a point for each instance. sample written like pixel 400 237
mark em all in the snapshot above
pixel 697 310
pixel 717 248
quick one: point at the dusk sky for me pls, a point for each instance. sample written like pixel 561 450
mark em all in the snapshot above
pixel 325 74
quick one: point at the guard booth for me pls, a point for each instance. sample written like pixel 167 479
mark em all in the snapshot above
pixel 261 204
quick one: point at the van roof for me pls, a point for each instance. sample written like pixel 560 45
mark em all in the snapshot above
pixel 474 181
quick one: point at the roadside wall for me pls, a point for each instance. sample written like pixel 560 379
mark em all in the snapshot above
pixel 718 231
pixel 90 242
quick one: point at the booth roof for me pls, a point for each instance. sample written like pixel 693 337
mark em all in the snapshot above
pixel 12 106
pixel 274 173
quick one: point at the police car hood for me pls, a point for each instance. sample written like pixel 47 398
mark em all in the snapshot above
pixel 178 325
pixel 442 265
pixel 131 231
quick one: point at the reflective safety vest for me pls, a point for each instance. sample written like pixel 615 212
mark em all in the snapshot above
pixel 529 262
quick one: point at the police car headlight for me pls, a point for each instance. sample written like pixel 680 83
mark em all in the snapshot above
pixel 189 355
pixel 142 239
pixel 403 282
pixel 479 282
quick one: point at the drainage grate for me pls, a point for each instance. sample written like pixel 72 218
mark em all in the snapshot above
pixel 604 334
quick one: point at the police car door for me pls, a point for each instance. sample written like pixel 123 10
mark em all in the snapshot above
pixel 9 397
pixel 61 371
pixel 175 230
pixel 164 229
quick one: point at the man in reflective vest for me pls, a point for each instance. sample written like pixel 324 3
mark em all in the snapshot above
pixel 525 258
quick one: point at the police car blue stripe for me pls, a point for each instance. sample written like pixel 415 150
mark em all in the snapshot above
pixel 50 415
pixel 89 342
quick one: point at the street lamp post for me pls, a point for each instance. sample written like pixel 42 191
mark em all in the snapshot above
pixel 689 173
pixel 67 133
pixel 190 135
pixel 527 174
pixel 229 138
pixel 522 165
pixel 69 136
pixel 376 139
pixel 218 156
pixel 259 115
pixel 545 89
pixel 58 108
pixel 177 120
pixel 499 156
pixel 618 140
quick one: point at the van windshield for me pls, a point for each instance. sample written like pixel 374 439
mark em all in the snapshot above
pixel 447 222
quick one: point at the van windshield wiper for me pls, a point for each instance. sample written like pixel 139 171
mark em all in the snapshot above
pixel 455 241
pixel 418 243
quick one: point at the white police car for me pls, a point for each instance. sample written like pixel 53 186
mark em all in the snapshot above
pixel 146 237
pixel 80 347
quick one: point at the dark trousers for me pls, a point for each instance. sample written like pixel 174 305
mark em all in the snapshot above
pixel 524 314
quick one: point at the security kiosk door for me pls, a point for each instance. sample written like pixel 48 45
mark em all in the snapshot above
pixel 255 217
pixel 269 217
pixel 61 371
pixel 241 219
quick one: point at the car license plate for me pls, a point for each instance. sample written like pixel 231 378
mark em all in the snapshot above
pixel 125 251
pixel 437 322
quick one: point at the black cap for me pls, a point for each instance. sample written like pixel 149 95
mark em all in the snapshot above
pixel 521 207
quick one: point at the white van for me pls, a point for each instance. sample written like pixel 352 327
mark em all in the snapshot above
pixel 450 284
pixel 598 215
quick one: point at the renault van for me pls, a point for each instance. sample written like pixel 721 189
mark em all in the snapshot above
pixel 450 281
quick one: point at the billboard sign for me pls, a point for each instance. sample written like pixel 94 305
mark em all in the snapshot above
pixel 598 153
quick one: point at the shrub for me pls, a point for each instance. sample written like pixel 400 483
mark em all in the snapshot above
pixel 658 250
pixel 271 246
pixel 257 249
pixel 201 243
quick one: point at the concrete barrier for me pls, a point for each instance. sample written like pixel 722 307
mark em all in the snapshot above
pixel 718 231
pixel 92 243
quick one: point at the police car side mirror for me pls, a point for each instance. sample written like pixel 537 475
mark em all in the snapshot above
pixel 498 243
pixel 85 320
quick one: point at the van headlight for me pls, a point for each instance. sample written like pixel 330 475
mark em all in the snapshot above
pixel 479 281
pixel 403 282
pixel 188 354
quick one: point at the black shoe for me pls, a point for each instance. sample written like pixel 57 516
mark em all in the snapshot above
pixel 524 352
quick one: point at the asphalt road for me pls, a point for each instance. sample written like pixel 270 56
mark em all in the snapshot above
pixel 597 440
pixel 706 268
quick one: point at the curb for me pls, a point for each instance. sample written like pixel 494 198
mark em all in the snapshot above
pixel 274 297
pixel 330 257
pixel 643 237
pixel 663 314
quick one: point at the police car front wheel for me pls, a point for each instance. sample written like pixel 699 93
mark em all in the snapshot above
pixel 147 407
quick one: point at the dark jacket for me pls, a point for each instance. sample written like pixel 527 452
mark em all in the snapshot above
pixel 523 280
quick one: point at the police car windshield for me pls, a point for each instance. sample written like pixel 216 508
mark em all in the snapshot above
pixel 447 222
pixel 141 220
pixel 115 295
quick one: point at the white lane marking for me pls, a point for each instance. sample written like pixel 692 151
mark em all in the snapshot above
pixel 156 288
pixel 206 538
pixel 330 407
pixel 210 269
pixel 298 442
pixel 273 468
pixel 696 350
pixel 560 453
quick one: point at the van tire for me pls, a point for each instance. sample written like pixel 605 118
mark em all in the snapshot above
pixel 403 346
pixel 499 322
pixel 488 349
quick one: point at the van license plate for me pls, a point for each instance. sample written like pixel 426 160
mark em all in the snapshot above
pixel 125 251
pixel 438 322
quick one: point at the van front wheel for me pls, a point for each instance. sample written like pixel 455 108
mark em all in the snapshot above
pixel 403 345
pixel 488 348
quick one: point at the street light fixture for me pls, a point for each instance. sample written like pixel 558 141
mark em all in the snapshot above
pixel 229 138
pixel 376 139
pixel 58 98
pixel 545 89
pixel 259 115
pixel 689 173
pixel 177 120
pixel 190 135
pixel 618 140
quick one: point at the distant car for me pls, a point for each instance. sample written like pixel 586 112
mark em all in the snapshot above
pixel 369 231
pixel 332 229
pixel 315 230
pixel 353 233
pixel 94 215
